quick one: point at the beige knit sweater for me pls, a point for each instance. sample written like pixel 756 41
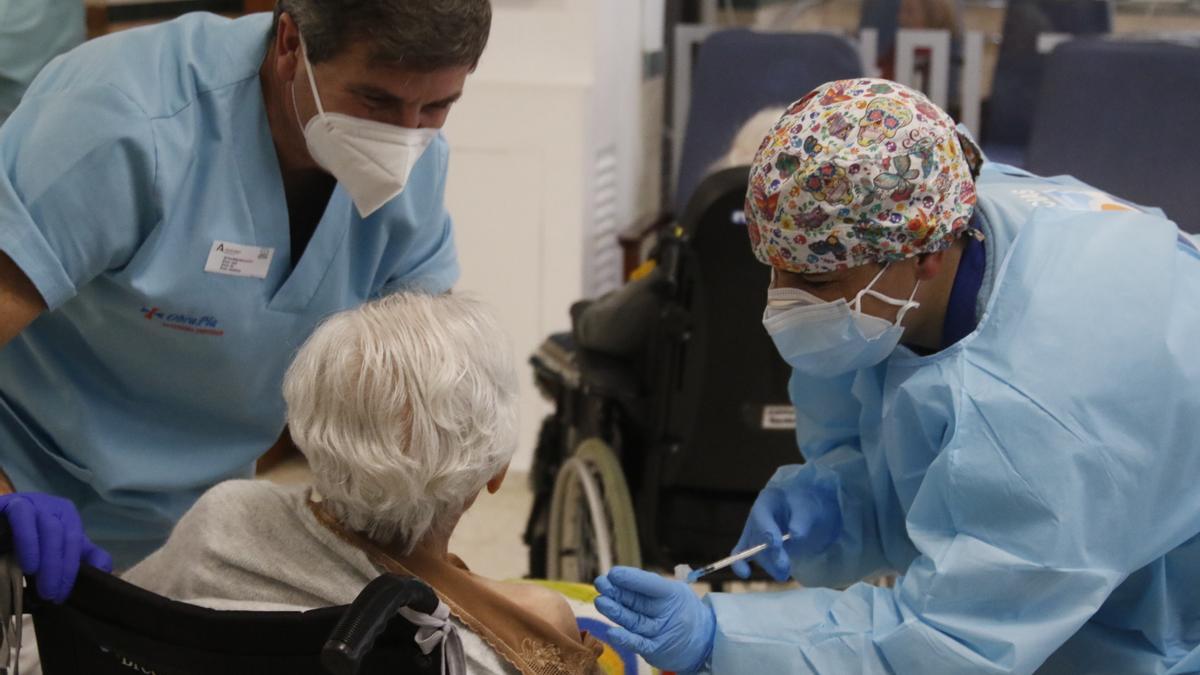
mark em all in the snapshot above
pixel 254 541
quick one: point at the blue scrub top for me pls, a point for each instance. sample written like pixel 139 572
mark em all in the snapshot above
pixel 963 308
pixel 150 379
pixel 31 33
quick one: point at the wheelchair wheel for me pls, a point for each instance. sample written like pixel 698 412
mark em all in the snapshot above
pixel 592 524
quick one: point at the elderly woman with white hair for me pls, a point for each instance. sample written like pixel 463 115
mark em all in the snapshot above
pixel 406 410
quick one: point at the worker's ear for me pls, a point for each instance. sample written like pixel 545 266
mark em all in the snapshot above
pixel 286 48
pixel 493 485
pixel 930 265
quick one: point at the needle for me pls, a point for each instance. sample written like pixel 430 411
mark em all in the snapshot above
pixel 683 572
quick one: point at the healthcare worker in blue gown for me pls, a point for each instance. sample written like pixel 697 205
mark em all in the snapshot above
pixel 180 205
pixel 997 393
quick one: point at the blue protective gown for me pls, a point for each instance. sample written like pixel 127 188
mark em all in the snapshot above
pixel 1037 484
pixel 154 374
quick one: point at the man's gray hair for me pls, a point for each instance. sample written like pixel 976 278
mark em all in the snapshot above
pixel 425 35
pixel 405 408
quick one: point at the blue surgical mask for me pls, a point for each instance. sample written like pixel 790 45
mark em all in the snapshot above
pixel 827 339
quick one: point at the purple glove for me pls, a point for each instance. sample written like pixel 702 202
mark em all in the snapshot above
pixel 48 536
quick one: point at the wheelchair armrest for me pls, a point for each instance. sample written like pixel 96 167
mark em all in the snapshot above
pixel 633 240
pixel 607 376
pixel 554 360
pixel 374 608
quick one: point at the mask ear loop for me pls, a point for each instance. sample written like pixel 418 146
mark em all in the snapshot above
pixel 857 304
pixel 311 82
pixel 908 305
pixel 904 306
pixel 295 109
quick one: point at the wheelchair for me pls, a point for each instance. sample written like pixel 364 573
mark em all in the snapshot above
pixel 111 627
pixel 654 457
pixel 671 406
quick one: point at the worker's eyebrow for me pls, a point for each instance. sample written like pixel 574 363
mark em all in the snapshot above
pixel 449 100
pixel 819 277
pixel 373 92
pixel 384 96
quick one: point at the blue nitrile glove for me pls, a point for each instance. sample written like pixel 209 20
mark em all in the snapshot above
pixel 660 619
pixel 811 514
pixel 48 537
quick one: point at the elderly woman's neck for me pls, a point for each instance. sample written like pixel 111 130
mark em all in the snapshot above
pixel 435 543
pixel 435 546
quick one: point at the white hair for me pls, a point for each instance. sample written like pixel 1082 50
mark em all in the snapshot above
pixel 405 408
pixel 749 138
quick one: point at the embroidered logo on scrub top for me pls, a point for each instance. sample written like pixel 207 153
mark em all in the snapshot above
pixel 186 323
pixel 1075 200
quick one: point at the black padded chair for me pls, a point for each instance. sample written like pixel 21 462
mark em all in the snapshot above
pixel 738 73
pixel 655 457
pixel 110 627
pixel 1019 67
pixel 1114 114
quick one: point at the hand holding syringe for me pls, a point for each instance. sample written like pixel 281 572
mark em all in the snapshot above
pixel 685 573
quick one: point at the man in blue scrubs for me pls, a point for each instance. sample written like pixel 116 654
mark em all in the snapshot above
pixel 180 205
pixel 998 398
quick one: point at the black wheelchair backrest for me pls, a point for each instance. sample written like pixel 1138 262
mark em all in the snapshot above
pixel 111 627
pixel 730 385
pixel 353 639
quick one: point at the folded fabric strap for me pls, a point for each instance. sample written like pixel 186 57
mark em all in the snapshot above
pixel 11 611
pixel 437 629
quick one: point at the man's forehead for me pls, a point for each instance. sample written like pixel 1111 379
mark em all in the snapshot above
pixel 404 83
pixel 358 61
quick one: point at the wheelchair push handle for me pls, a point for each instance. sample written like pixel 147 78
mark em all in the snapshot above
pixel 368 617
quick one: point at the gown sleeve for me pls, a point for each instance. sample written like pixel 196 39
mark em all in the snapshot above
pixel 1008 572
pixel 828 432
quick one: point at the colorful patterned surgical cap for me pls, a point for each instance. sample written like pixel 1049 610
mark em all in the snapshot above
pixel 859 171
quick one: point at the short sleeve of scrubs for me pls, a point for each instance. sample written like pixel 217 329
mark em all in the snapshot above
pixel 77 186
pixel 31 34
pixel 430 263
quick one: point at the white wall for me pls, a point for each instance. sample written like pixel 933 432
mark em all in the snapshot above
pixel 549 158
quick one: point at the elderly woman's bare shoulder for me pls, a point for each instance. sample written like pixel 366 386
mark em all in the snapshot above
pixel 540 600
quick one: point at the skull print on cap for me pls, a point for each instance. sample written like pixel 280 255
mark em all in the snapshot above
pixel 883 119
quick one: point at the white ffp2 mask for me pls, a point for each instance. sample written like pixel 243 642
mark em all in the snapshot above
pixel 371 160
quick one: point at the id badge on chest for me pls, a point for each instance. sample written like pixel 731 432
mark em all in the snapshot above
pixel 239 260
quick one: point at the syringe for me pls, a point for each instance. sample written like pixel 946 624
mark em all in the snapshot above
pixel 685 573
